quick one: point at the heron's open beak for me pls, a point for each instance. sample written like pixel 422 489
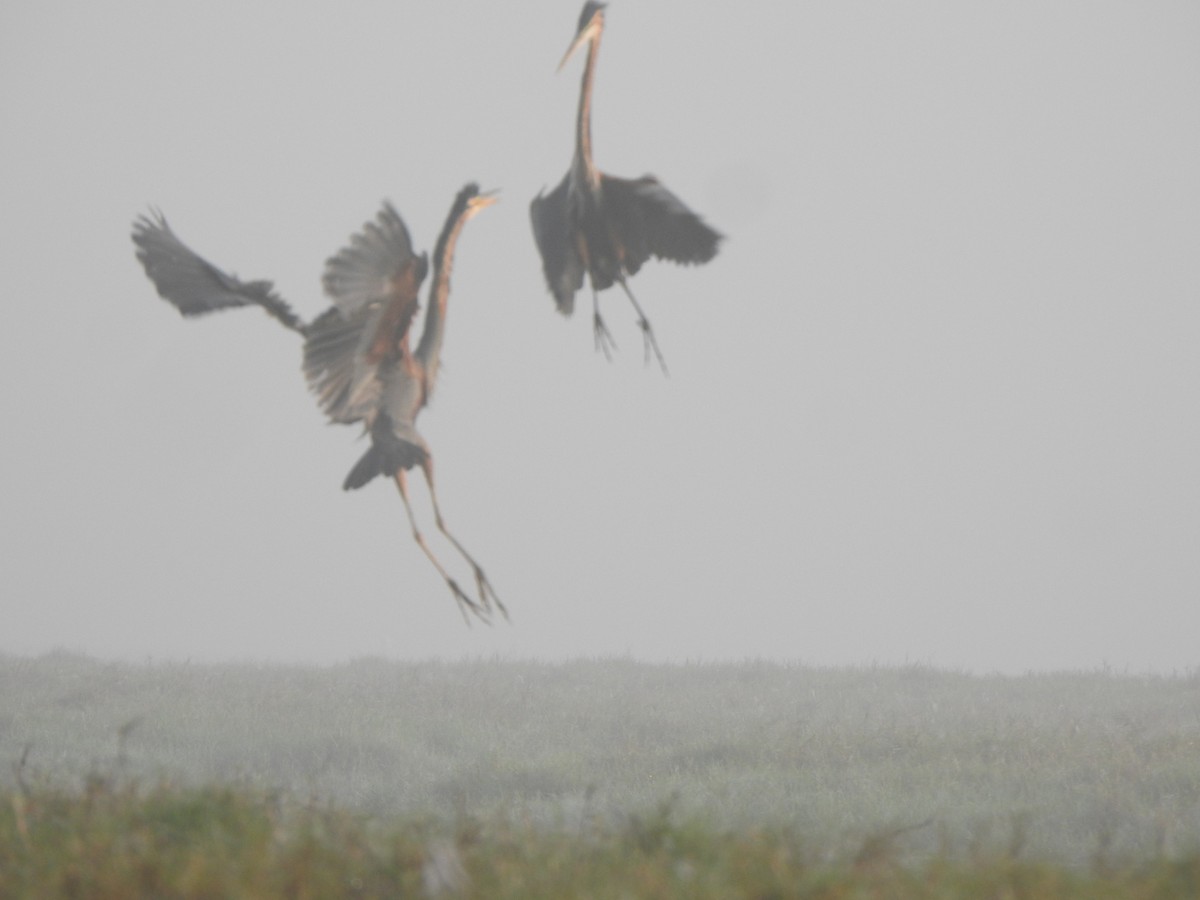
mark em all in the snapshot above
pixel 483 200
pixel 586 33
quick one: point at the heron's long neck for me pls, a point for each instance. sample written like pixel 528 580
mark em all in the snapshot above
pixel 430 349
pixel 583 127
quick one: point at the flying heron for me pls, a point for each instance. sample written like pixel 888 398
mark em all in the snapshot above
pixel 608 226
pixel 358 359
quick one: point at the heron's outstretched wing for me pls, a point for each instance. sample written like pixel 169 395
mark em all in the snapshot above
pixel 560 258
pixel 195 286
pixel 365 273
pixel 648 220
pixel 374 284
pixel 347 388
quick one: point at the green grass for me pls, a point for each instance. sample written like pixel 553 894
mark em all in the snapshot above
pixel 602 777
pixel 110 841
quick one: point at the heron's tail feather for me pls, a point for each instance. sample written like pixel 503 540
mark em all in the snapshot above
pixel 370 465
pixel 394 446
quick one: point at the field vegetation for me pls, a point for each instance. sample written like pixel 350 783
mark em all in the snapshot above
pixel 593 778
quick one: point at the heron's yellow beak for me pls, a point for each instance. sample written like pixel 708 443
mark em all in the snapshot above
pixel 586 33
pixel 483 200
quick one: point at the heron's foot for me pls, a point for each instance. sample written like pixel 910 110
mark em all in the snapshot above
pixel 466 605
pixel 651 344
pixel 604 338
pixel 488 598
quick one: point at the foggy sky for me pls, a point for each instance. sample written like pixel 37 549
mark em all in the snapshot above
pixel 935 400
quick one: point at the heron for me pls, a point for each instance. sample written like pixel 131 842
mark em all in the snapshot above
pixel 358 359
pixel 608 226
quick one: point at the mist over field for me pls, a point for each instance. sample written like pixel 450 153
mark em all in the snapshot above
pixel 1067 767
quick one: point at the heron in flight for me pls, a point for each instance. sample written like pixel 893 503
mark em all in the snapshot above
pixel 358 358
pixel 608 226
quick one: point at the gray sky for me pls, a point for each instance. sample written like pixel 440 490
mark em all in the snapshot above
pixel 935 401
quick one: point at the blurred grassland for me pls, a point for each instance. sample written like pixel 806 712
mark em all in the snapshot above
pixel 524 770
pixel 108 841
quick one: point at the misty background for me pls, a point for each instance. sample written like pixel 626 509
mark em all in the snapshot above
pixel 934 401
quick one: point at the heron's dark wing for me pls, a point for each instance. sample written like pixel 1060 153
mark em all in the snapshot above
pixel 374 284
pixel 347 388
pixel 560 258
pixel 648 220
pixel 348 360
pixel 195 286
pixel 365 273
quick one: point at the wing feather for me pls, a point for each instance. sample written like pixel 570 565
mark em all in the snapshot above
pixel 560 259
pixel 648 220
pixel 374 283
pixel 346 387
pixel 192 284
pixel 366 271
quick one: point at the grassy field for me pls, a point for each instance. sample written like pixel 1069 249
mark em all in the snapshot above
pixel 594 778
pixel 112 842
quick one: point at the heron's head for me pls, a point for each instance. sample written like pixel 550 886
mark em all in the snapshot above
pixel 591 23
pixel 474 199
pixel 467 202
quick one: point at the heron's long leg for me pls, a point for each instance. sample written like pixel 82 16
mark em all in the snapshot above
pixel 464 602
pixel 487 593
pixel 604 339
pixel 644 324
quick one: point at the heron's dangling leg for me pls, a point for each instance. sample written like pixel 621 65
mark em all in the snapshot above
pixel 464 602
pixel 487 593
pixel 644 324
pixel 604 339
